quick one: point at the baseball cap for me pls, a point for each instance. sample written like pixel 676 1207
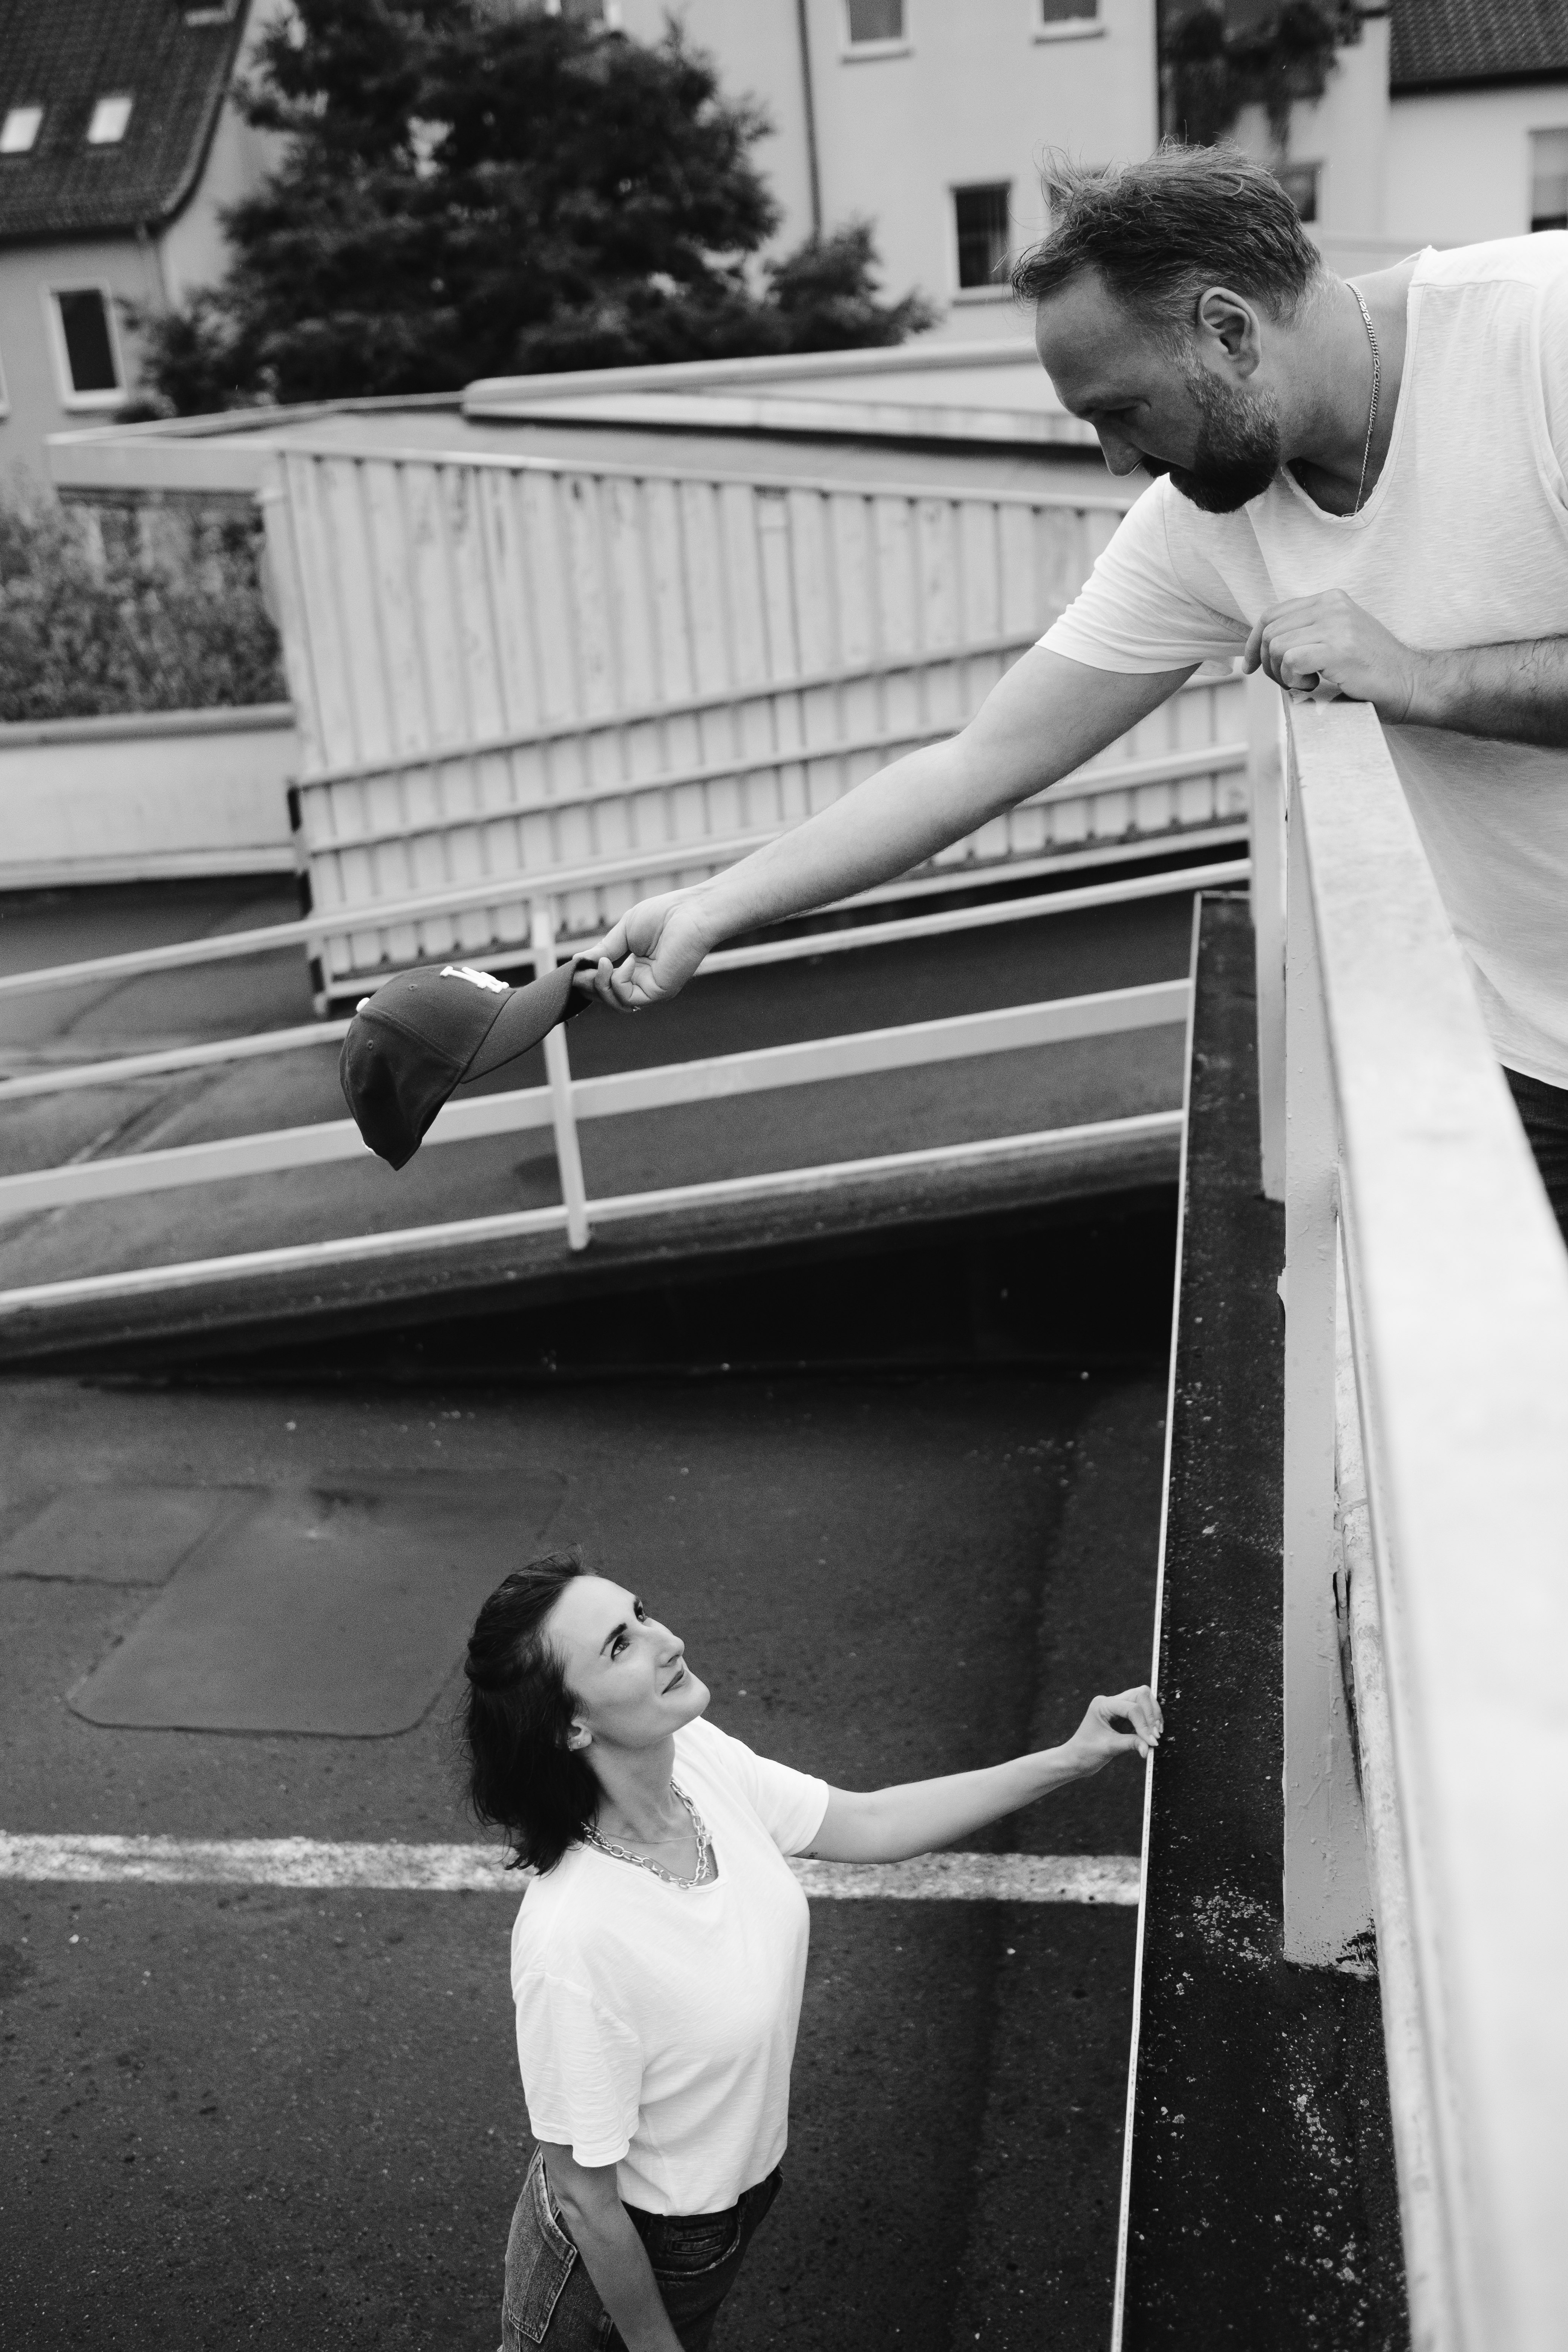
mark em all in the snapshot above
pixel 423 1033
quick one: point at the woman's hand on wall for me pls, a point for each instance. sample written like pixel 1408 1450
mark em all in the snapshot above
pixel 920 1816
pixel 1098 1738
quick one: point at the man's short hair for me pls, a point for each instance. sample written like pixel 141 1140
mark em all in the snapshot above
pixel 1159 231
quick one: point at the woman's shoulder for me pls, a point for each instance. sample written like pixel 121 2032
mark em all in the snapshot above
pixel 788 1804
pixel 557 1920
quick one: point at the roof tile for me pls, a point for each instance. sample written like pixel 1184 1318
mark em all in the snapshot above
pixel 1456 41
pixel 172 57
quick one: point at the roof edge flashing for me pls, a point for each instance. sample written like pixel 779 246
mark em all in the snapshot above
pixel 898 359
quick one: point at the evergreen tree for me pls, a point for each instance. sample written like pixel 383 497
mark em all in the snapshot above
pixel 469 191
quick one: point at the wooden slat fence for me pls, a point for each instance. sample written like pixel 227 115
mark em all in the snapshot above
pixel 506 667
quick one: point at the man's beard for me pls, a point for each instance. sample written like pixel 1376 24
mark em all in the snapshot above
pixel 1237 453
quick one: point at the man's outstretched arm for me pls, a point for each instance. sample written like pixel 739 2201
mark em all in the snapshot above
pixel 1042 720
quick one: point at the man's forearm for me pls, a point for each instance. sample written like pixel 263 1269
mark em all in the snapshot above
pixel 618 2265
pixel 896 819
pixel 1518 692
pixel 1037 724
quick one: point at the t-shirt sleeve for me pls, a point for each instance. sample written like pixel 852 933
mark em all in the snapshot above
pixel 1555 367
pixel 581 2069
pixel 1140 612
pixel 789 1804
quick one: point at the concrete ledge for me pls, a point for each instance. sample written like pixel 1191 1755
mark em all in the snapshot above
pixel 146 797
pixel 1260 2205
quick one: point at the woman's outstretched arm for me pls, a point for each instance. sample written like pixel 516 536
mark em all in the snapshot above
pixel 891 1824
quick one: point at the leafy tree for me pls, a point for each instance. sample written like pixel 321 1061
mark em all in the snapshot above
pixel 1212 71
pixel 465 192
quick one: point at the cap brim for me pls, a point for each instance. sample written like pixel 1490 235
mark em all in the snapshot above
pixel 526 1018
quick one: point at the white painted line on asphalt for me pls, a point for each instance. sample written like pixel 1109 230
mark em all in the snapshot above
pixel 980 1878
pixel 317 1866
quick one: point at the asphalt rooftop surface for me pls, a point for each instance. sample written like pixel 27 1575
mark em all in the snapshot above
pixel 294 2119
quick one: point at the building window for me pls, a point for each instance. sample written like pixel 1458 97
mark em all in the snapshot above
pixel 866 21
pixel 1299 182
pixel 1549 179
pixel 110 119
pixel 1072 12
pixel 980 217
pixel 87 346
pixel 19 131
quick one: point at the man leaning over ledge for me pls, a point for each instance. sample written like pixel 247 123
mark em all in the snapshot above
pixel 1360 485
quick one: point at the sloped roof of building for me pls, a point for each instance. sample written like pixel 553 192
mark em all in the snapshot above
pixel 173 58
pixel 1460 44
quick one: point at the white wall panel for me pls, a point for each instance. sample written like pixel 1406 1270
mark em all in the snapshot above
pixel 515 666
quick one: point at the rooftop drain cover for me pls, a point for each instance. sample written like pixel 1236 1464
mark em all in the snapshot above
pixel 338 1608
pixel 117 1535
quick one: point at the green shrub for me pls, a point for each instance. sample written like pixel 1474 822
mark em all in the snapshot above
pixel 114 608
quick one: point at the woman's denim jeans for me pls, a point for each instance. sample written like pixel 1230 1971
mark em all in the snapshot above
pixel 551 2300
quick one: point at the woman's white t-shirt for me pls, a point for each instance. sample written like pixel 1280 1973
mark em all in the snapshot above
pixel 655 2024
pixel 1464 542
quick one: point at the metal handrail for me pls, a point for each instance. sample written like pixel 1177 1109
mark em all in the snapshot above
pixel 521 887
pixel 805 946
pixel 1132 1136
pixel 564 1101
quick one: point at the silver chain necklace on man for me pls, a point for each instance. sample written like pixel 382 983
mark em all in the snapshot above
pixel 1377 387
pixel 704 1847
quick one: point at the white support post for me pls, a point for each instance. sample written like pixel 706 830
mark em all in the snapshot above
pixel 1265 798
pixel 1328 1906
pixel 282 595
pixel 1409 2039
pixel 564 1118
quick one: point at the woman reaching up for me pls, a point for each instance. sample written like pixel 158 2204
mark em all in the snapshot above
pixel 658 1960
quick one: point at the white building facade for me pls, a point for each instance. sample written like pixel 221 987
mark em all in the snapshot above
pixel 929 117
pixel 119 145
pixel 1446 123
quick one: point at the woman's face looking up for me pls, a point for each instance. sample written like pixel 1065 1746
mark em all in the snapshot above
pixel 628 1672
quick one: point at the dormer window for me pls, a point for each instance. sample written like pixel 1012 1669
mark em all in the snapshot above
pixel 19 131
pixel 109 117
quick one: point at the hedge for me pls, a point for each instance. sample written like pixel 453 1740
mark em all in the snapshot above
pixel 116 608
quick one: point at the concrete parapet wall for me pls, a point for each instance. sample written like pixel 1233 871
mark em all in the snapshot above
pixel 149 796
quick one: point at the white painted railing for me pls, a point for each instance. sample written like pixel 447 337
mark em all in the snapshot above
pixel 564 1100
pixel 606 681
pixel 1427 1540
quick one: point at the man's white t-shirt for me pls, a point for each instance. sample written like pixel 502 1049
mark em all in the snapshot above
pixel 655 2024
pixel 1463 542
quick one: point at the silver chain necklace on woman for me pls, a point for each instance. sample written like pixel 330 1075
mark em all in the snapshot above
pixel 1377 387
pixel 704 1847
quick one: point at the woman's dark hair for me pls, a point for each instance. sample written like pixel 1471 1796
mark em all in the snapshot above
pixel 515 1716
pixel 1159 231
